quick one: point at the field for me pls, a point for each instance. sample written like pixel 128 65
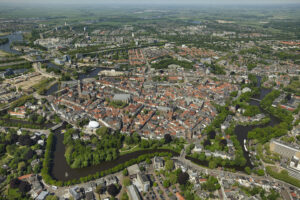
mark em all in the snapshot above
pixel 3 54
pixel 27 83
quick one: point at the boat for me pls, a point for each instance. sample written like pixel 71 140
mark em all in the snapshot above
pixel 245 146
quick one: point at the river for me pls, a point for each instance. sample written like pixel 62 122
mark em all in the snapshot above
pixel 60 166
pixel 14 37
pixel 93 73
pixel 242 131
pixel 52 89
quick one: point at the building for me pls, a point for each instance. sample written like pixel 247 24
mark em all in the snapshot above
pixel 89 194
pixel 133 193
pixel 122 97
pixel 75 192
pixel 42 195
pixel 93 125
pixel 295 163
pixel 111 73
pixel 179 197
pixel 198 148
pixel 111 180
pixel 158 163
pixel 58 61
pixel 143 181
pixel 284 149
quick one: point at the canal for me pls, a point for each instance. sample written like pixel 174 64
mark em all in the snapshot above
pixel 63 172
pixel 242 131
pixel 14 37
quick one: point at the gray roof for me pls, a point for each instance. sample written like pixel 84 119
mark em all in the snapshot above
pixel 133 193
pixel 121 97
pixel 42 195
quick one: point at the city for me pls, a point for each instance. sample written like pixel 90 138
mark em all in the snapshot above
pixel 149 100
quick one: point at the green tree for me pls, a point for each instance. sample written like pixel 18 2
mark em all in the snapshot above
pixel 125 172
pixel 248 170
pixel 173 179
pixel 52 197
pixel 102 131
pixel 124 196
pixel 21 166
pixel 169 165
pixel 166 183
pixel 126 181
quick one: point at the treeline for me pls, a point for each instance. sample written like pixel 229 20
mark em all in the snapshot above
pixel 223 112
pixel 294 86
pixel 287 56
pixel 238 162
pixel 283 115
pixel 283 176
pixel 11 60
pixel 80 154
pixel 47 163
pixel 26 65
pixel 163 64
pixel 21 101
pixel 20 124
pixel 4 41
pixel 265 134
pixel 216 69
pixel 42 86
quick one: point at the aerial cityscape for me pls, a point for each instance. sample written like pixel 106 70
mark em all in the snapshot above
pixel 149 100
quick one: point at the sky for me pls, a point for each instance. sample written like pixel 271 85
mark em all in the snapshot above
pixel 151 1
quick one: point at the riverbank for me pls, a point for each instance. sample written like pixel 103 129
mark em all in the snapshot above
pixel 283 176
pixel 75 176
pixel 264 121
pixel 56 170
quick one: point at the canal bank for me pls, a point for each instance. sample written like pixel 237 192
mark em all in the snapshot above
pixel 61 171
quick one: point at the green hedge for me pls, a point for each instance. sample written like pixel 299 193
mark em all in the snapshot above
pixel 283 176
pixel 7 123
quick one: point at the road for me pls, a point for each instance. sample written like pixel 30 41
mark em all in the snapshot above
pixel 222 173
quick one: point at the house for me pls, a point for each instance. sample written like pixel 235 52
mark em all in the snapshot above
pixel 36 186
pixel 143 181
pixel 42 195
pixel 111 180
pixel 179 196
pixel 198 148
pixel 89 194
pixel 75 192
pixel 35 162
pixel 158 163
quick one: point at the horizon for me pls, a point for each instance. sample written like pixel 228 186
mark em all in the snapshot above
pixel 153 2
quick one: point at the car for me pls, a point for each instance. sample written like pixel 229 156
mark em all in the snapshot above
pixel 54 187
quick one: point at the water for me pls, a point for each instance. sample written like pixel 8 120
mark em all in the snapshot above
pixel 242 131
pixel 20 71
pixel 91 74
pixel 51 65
pixel 52 89
pixel 15 37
